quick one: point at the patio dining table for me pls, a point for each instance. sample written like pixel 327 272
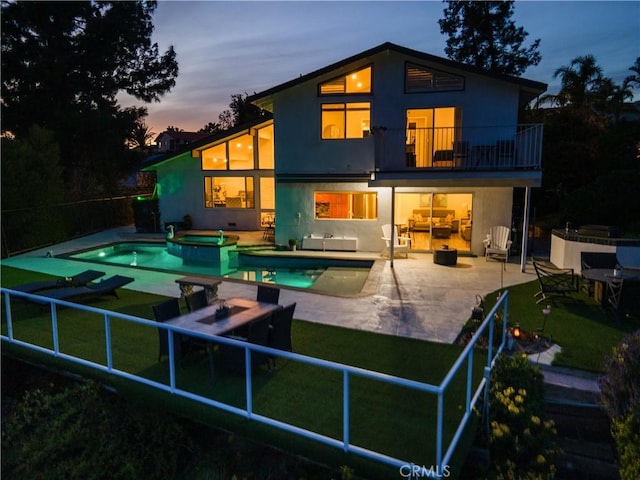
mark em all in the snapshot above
pixel 242 311
pixel 603 276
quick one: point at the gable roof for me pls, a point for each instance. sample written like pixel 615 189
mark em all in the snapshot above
pixel 529 88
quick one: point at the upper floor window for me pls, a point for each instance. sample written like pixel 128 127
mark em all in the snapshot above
pixel 354 82
pixel 423 79
pixel 235 154
pixel 265 148
pixel 346 120
pixel 239 153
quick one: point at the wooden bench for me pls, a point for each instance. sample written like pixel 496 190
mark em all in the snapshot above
pixel 554 280
pixel 209 284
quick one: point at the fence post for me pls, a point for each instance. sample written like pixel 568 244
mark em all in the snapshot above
pixel 107 333
pixel 345 409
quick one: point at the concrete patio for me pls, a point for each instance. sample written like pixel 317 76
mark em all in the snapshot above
pixel 416 298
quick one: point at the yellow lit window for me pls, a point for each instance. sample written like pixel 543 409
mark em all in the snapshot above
pixel 354 82
pixel 346 205
pixel 228 192
pixel 215 158
pixel 346 120
pixel 265 148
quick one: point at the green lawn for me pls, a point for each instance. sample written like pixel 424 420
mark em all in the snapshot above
pixel 385 418
pixel 583 328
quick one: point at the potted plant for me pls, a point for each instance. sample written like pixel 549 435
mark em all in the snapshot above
pixel 293 242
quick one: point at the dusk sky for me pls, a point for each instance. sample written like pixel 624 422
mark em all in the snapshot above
pixel 226 48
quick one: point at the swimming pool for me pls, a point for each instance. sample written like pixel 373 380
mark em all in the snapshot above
pixel 334 276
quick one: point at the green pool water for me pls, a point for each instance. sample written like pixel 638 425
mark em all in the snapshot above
pixel 344 277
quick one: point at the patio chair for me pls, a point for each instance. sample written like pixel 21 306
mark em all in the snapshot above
pixel 280 330
pixel 554 280
pixel 497 244
pixel 624 297
pixel 105 287
pixel 268 294
pixel 232 358
pixel 196 300
pixel 183 345
pixel 166 311
pixel 595 260
pixel 74 281
pixel 400 244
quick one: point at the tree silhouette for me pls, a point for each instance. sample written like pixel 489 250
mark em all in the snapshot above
pixel 482 34
pixel 63 66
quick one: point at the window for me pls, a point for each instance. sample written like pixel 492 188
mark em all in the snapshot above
pixel 346 205
pixel 354 82
pixel 265 148
pixel 267 193
pixel 228 192
pixel 423 79
pixel 234 154
pixel 345 120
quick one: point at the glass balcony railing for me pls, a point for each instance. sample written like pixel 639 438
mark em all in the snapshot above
pixel 517 147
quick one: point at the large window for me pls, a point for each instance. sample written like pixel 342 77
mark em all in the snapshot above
pixel 265 148
pixel 354 82
pixel 228 192
pixel 235 154
pixel 346 120
pixel 346 205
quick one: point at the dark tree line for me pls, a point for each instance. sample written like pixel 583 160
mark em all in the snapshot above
pixel 63 65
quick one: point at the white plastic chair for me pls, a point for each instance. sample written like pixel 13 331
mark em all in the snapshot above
pixel 497 244
pixel 400 244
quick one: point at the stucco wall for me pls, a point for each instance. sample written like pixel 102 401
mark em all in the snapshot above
pixel 491 206
pixel 181 192
pixel 297 115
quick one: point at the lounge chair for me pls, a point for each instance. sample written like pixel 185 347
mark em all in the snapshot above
pixel 497 244
pixel 400 244
pixel 554 280
pixel 78 280
pixel 105 287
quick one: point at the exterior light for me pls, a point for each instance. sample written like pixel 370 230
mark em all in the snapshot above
pixel 516 331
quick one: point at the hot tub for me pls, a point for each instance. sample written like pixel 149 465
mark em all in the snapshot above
pixel 204 248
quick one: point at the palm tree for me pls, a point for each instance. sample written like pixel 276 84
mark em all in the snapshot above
pixel 140 136
pixel 634 79
pixel 581 82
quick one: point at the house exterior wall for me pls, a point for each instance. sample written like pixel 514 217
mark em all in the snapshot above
pixel 300 150
pixel 181 192
pixel 491 207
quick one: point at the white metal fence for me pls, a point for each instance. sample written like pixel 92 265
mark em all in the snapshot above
pixel 443 453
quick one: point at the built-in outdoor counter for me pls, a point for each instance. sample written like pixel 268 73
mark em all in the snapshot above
pixel 566 247
pixel 320 242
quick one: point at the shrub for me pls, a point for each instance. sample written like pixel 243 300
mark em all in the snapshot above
pixel 620 388
pixel 82 432
pixel 521 440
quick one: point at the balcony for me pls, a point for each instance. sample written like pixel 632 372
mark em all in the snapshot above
pixel 508 155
